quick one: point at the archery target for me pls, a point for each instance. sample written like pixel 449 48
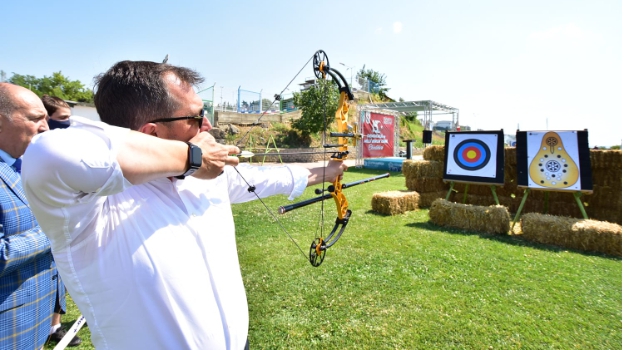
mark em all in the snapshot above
pixel 471 154
pixel 474 156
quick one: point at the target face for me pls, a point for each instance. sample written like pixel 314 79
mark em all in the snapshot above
pixel 471 154
pixel 474 157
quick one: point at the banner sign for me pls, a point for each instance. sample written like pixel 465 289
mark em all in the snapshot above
pixel 378 131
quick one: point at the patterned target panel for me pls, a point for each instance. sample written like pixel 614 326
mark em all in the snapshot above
pixel 474 156
pixel 554 160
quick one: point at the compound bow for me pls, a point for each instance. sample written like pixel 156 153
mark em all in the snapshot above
pixel 345 132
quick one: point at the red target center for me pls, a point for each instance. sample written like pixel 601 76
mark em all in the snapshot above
pixel 471 154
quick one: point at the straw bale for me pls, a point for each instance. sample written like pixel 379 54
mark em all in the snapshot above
pixel 434 152
pixel 610 215
pixel 578 234
pixel 510 156
pixel 426 184
pixel 506 201
pixel 509 188
pixel 395 202
pixel 604 197
pixel 510 173
pixel 606 159
pixel 485 191
pixel 608 177
pixel 426 199
pixel 492 219
pixel 422 168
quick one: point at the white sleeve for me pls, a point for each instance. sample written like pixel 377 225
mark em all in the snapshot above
pixel 289 180
pixel 65 166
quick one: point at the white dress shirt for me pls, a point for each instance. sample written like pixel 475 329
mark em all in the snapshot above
pixel 151 266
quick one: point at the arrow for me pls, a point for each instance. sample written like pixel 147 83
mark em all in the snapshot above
pixel 247 154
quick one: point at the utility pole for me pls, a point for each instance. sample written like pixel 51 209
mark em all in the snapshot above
pixel 351 74
pixel 221 105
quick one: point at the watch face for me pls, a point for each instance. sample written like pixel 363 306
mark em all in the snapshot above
pixel 196 157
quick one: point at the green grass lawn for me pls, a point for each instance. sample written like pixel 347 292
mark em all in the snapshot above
pixel 399 282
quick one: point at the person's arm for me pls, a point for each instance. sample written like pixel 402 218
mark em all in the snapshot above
pixel 19 249
pixel 290 179
pixel 144 158
pixel 320 174
pixel 84 159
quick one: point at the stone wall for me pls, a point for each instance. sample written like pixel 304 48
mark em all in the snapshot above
pixel 226 117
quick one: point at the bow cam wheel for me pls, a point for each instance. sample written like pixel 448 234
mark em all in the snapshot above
pixel 320 64
pixel 317 252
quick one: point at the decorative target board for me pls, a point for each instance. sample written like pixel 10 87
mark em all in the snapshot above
pixel 554 160
pixel 474 156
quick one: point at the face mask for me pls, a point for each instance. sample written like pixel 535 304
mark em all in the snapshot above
pixel 57 124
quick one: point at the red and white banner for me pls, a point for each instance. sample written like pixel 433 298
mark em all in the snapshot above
pixel 378 131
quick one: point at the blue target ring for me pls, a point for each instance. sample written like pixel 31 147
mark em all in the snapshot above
pixel 471 154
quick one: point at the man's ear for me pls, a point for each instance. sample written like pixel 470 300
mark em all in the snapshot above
pixel 149 129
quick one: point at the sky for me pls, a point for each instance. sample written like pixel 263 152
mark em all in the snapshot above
pixel 511 65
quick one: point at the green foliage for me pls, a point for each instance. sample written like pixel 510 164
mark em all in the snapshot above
pixel 294 139
pixel 376 81
pixel 617 147
pixel 319 104
pixel 56 85
pixel 266 103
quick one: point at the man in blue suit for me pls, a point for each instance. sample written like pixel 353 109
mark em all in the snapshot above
pixel 28 277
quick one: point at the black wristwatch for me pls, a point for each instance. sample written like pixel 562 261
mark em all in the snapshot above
pixel 194 160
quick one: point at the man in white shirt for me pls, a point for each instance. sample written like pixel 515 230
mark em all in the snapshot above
pixel 150 259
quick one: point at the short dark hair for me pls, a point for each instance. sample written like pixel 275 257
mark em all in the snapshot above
pixel 53 103
pixel 131 93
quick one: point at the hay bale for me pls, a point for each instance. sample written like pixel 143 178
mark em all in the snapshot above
pixel 434 152
pixel 608 177
pixel 425 184
pixel 510 156
pixel 491 219
pixel 606 159
pixel 395 202
pixel 427 198
pixel 578 234
pixel 422 168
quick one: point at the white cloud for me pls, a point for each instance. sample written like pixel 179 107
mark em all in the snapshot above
pixel 397 27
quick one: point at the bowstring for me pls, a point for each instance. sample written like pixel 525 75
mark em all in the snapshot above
pixel 252 189
pixel 274 101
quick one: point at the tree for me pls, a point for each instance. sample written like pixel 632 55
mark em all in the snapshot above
pixel 56 85
pixel 267 105
pixel 376 81
pixel 319 104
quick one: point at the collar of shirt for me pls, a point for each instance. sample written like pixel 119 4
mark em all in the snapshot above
pixel 7 158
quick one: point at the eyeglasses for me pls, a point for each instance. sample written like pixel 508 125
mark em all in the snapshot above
pixel 199 118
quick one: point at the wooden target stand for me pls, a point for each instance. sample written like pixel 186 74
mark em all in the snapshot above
pixel 554 168
pixel 466 189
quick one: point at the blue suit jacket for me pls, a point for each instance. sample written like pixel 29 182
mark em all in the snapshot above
pixel 28 278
